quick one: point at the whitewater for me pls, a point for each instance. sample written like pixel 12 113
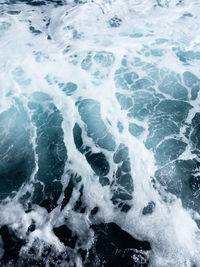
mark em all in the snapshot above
pixel 100 133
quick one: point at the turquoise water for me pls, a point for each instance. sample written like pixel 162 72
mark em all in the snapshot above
pixel 99 133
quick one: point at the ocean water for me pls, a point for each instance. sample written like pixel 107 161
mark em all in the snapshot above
pixel 100 133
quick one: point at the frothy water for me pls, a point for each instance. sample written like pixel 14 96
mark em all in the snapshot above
pixel 99 133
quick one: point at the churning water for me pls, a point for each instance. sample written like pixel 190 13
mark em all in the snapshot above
pixel 100 133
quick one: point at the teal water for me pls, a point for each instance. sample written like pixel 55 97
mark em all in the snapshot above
pixel 99 133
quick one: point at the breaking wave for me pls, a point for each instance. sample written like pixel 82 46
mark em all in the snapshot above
pixel 99 133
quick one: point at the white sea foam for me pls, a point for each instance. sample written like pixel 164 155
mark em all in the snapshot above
pixel 173 233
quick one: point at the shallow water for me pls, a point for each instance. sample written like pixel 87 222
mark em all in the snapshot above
pixel 99 133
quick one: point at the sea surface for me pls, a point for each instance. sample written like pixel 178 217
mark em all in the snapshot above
pixel 100 133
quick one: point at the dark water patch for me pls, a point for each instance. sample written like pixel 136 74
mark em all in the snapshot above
pixel 11 244
pixel 16 152
pixel 98 163
pixel 121 154
pixel 159 128
pixel 124 207
pixel 77 133
pixel 126 166
pixel 181 179
pixel 38 3
pixel 51 150
pixel 149 209
pixel 90 112
pixel 67 193
pixel 122 185
pixel 47 196
pixel 14 12
pixel 79 205
pixel 115 22
pixel 195 133
pixel 104 180
pixel 144 105
pixel 170 149
pixel 73 183
pixel 34 31
pixel 15 255
pixel 125 181
pixel 31 228
pixel 115 247
pixel 65 235
pixel 35 257
pixel 120 196
pixel 176 110
pixel 193 82
pixel 94 211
